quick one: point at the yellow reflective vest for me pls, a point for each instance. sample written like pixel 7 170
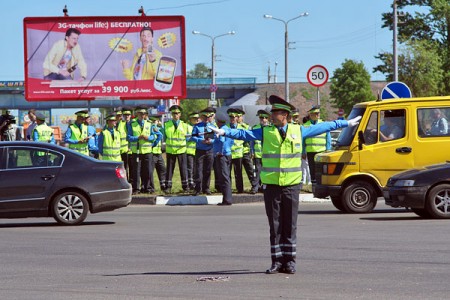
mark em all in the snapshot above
pixel 191 145
pixel 281 160
pixel 141 146
pixel 111 146
pixel 78 134
pixel 316 143
pixel 237 150
pixel 175 137
pixel 122 128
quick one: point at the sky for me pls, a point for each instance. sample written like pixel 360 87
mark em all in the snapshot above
pixel 332 32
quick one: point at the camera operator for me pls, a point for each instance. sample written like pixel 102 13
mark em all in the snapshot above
pixel 8 128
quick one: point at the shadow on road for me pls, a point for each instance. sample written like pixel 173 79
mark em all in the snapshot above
pixel 18 225
pixel 225 272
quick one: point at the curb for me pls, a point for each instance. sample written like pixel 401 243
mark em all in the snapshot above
pixel 210 200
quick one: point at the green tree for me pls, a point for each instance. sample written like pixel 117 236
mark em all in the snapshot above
pixel 199 71
pixel 350 84
pixel 430 25
pixel 190 106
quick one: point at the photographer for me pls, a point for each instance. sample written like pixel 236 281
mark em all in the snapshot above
pixel 8 128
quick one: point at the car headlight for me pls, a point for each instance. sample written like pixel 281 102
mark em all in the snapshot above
pixel 404 183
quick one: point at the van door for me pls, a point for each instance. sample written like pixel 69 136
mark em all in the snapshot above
pixel 387 148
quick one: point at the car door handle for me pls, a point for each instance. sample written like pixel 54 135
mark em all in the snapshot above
pixel 403 150
pixel 47 177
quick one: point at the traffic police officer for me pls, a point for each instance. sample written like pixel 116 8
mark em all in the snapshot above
pixel 109 141
pixel 77 135
pixel 315 144
pixel 190 150
pixel 141 136
pixel 158 160
pixel 222 162
pixel 175 132
pixel 123 119
pixel 237 150
pixel 256 145
pixel 281 174
pixel 204 156
pixel 42 132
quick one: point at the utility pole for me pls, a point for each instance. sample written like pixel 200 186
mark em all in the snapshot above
pixel 394 52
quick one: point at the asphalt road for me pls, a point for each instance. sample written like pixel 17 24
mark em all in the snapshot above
pixel 162 252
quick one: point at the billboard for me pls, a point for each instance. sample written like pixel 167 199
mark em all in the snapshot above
pixel 117 58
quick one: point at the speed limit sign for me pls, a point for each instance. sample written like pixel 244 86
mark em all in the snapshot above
pixel 317 75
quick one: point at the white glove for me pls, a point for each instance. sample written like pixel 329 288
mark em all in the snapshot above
pixel 217 130
pixel 353 122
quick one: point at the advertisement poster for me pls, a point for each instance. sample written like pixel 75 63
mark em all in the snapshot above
pixel 117 58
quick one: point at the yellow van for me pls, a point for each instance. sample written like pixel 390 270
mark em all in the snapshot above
pixel 394 135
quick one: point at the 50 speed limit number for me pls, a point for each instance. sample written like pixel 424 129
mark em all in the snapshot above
pixel 317 75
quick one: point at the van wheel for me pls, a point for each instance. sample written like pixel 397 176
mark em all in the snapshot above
pixel 359 197
pixel 337 202
pixel 438 202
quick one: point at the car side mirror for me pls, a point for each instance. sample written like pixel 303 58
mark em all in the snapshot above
pixel 361 140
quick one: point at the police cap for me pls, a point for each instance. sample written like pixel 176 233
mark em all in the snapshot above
pixel 280 104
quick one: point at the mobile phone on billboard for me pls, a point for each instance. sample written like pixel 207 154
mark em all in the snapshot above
pixel 165 74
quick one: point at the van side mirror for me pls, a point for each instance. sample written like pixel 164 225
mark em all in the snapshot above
pixel 361 140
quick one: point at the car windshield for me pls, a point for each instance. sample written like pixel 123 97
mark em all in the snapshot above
pixel 347 134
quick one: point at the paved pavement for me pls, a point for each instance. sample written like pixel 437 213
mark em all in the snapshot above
pixel 210 200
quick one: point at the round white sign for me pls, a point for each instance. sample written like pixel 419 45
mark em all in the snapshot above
pixel 317 75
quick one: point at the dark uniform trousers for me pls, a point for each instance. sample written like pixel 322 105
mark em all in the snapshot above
pixel 126 158
pixel 312 166
pixel 281 204
pixel 236 164
pixel 247 163
pixel 141 171
pixel 160 166
pixel 258 167
pixel 222 165
pixel 190 170
pixel 182 166
pixel 202 172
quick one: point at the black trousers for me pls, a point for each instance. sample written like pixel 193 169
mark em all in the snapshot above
pixel 223 181
pixel 258 167
pixel 159 165
pixel 247 163
pixel 190 170
pixel 126 158
pixel 202 172
pixel 142 171
pixel 281 204
pixel 236 164
pixel 312 166
pixel 182 165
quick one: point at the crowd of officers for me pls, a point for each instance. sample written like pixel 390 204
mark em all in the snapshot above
pixel 132 136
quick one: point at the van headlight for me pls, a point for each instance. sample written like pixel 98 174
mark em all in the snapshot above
pixel 404 183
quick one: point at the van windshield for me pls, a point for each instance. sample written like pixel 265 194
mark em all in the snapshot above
pixel 347 134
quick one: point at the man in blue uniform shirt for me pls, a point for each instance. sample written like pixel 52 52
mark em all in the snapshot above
pixel 281 174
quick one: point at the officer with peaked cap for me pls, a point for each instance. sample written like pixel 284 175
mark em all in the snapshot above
pixel 93 141
pixel 109 140
pixel 264 118
pixel 123 119
pixel 77 134
pixel 315 144
pixel 247 161
pixel 175 131
pixel 42 132
pixel 158 162
pixel 141 135
pixel 281 175
pixel 190 150
pixel 204 156
pixel 237 150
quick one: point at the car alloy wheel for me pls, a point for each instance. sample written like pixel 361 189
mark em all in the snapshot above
pixel 438 201
pixel 70 208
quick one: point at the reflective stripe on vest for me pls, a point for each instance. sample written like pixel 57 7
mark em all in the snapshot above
pixel 141 146
pixel 175 137
pixel 77 135
pixel 237 150
pixel 257 144
pixel 281 160
pixel 316 143
pixel 111 147
pixel 122 128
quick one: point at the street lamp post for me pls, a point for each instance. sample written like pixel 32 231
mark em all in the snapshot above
pixel 212 101
pixel 286 48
